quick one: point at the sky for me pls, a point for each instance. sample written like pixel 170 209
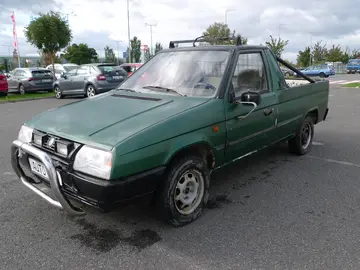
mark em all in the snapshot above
pixel 102 23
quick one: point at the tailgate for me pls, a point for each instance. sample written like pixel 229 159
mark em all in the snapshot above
pixel 41 77
pixel 113 74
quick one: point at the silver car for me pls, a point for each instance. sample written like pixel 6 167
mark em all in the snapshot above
pixel 25 80
pixel 89 80
pixel 61 68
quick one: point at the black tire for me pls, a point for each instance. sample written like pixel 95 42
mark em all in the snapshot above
pixel 322 75
pixel 302 142
pixel 287 74
pixel 58 93
pixel 22 89
pixel 168 206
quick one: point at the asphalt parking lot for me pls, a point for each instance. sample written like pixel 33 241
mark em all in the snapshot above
pixel 270 211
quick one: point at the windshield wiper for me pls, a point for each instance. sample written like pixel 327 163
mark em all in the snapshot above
pixel 155 87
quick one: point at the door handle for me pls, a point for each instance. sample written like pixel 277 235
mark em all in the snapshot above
pixel 268 111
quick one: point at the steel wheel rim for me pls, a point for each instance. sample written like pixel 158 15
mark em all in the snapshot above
pixel 305 136
pixel 22 90
pixel 57 92
pixel 189 192
pixel 90 91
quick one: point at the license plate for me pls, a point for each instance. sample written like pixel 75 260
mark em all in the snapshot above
pixel 117 77
pixel 38 168
pixel 47 80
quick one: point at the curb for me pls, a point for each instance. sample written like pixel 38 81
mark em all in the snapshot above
pixel 25 99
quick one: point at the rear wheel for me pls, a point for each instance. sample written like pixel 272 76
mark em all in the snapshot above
pixel 22 89
pixel 90 91
pixel 322 75
pixel 302 142
pixel 185 190
pixel 58 93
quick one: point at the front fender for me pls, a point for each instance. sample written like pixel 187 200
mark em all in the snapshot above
pixel 161 153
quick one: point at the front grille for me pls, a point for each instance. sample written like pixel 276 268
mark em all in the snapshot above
pixel 46 140
pixel 49 145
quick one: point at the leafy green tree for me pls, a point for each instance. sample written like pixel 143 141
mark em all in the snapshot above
pixel 135 44
pixel 158 47
pixel 49 33
pixel 80 54
pixel 355 54
pixel 109 55
pixel 335 54
pixel 147 55
pixel 217 30
pixel 277 45
pixel 303 57
pixel 319 53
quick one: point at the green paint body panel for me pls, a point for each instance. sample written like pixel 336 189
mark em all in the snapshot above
pixel 146 133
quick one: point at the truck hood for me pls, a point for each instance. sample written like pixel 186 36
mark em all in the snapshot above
pixel 85 120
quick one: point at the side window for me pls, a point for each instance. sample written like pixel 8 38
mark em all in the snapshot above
pixel 281 82
pixel 72 72
pixel 17 73
pixel 250 74
pixel 83 71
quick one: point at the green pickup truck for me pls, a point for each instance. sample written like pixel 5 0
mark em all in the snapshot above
pixel 185 113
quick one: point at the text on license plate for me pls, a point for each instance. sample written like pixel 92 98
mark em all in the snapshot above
pixel 47 80
pixel 38 168
pixel 117 77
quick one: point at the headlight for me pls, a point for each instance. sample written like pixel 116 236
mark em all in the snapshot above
pixel 94 162
pixel 25 134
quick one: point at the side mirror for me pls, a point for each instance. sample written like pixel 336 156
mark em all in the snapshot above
pixel 8 75
pixel 63 75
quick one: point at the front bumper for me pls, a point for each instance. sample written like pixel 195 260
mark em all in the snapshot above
pixel 67 186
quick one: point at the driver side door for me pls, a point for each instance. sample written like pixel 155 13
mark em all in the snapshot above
pixel 249 132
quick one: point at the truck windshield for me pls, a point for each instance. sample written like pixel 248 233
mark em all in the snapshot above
pixel 187 73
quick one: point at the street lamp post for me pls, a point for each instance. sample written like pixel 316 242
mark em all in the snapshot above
pixel 128 19
pixel 151 41
pixel 118 54
pixel 67 19
pixel 226 12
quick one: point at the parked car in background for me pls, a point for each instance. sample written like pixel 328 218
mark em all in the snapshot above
pixel 353 66
pixel 3 84
pixel 318 70
pixel 89 80
pixel 130 68
pixel 31 80
pixel 62 68
pixel 286 71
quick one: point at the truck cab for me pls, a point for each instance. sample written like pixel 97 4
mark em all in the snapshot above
pixel 186 112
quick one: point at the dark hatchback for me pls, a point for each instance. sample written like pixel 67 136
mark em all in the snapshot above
pixel 26 80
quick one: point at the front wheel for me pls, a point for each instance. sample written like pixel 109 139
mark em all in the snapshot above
pixel 185 191
pixel 302 142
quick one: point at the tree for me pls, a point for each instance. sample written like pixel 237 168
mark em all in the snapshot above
pixel 147 55
pixel 319 53
pixel 277 45
pixel 158 47
pixel 303 58
pixel 217 30
pixel 355 54
pixel 135 49
pixel 80 54
pixel 109 55
pixel 49 33
pixel 335 54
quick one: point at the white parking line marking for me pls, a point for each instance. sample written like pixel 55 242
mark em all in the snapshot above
pixel 333 82
pixel 350 82
pixel 8 173
pixel 336 161
pixel 317 143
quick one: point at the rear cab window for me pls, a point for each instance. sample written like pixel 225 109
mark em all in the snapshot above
pixel 106 68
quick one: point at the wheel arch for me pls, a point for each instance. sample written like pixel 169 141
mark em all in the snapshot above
pixel 201 148
pixel 314 113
